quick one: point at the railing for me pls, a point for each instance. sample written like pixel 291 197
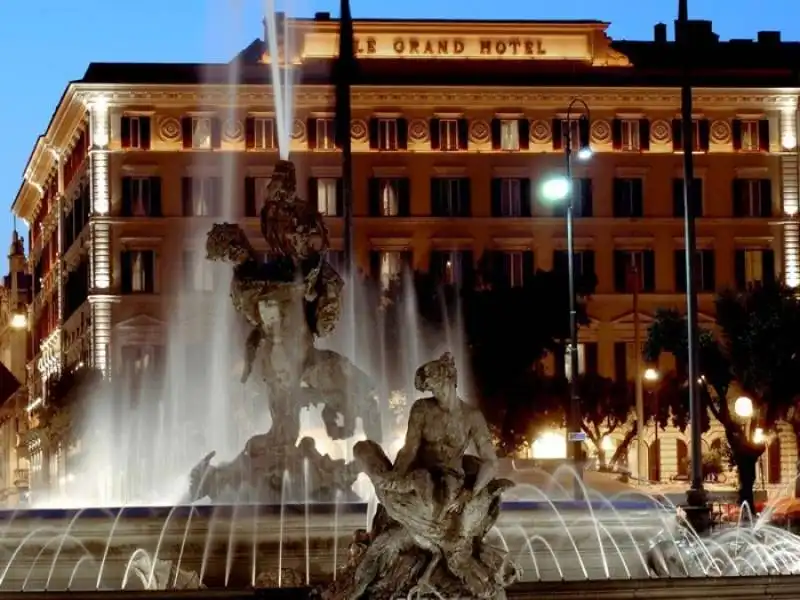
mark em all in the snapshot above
pixel 22 478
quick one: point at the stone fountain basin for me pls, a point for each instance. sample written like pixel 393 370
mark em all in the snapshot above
pixel 231 544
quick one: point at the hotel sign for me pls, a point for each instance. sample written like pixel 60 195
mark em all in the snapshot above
pixel 411 46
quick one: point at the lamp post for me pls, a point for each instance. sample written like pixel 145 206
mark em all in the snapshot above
pixel 562 189
pixel 345 70
pixel 648 378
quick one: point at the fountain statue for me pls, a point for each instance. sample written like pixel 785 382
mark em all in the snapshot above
pixel 437 505
pixel 289 299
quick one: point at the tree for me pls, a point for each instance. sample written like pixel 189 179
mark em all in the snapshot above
pixel 757 347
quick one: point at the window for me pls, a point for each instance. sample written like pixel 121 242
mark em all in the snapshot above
pixel 515 268
pixel 704 271
pixel 583 264
pixel 634 269
pixel 387 134
pixel 621 361
pixel 202 196
pixel 754 266
pixel 448 135
pixel 327 197
pixel 264 133
pixel 139 359
pixel 582 199
pixel 326 134
pixel 201 133
pixel 628 197
pixel 509 134
pixel 510 198
pixel 750 139
pixel 138 271
pixel 451 267
pixel 450 197
pixel 135 132
pixel 678 203
pixel 389 199
pixel 141 196
pixel 752 198
pixel 390 268
pixel 700 135
pixel 630 135
pixel 198 272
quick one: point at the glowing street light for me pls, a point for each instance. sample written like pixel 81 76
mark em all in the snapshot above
pixel 743 407
pixel 650 374
pixel 19 320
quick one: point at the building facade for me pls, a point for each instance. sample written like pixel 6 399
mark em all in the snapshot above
pixel 455 127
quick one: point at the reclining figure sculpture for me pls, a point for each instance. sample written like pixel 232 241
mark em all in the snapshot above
pixel 437 505
pixel 290 299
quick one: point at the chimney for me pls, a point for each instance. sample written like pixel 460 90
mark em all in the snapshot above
pixel 322 16
pixel 769 37
pixel 660 33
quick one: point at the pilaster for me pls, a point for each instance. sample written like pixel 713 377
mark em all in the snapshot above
pixel 790 196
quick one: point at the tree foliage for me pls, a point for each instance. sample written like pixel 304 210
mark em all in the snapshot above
pixel 757 346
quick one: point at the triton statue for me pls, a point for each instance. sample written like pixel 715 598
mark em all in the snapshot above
pixel 290 299
pixel 437 505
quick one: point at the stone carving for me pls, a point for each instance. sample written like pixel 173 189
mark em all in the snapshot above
pixel 540 132
pixel 358 131
pixel 169 129
pixel 289 300
pixel 479 132
pixel 437 505
pixel 298 131
pixel 159 575
pixel 418 131
pixel 720 132
pixel 660 132
pixel 601 132
pixel 232 130
pixel 285 578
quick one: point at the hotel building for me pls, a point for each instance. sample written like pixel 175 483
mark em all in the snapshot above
pixel 455 126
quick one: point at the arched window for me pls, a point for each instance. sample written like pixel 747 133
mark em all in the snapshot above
pixel 683 458
pixel 774 461
pixel 654 461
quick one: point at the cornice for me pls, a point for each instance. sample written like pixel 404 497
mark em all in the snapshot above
pixel 543 98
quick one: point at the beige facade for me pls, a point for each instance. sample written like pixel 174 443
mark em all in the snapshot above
pixel 129 244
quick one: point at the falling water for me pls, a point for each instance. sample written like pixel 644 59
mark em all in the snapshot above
pixel 281 79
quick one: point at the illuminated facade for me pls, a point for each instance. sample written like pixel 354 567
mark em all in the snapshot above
pixel 455 125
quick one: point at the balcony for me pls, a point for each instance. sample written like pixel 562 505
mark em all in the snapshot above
pixel 22 479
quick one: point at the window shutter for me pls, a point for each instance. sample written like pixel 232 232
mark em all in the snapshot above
pixel 590 358
pixel 437 263
pixel 561 262
pixel 736 131
pixel 737 193
pixel 374 124
pixel 186 196
pixel 404 197
pixel 463 134
pixel 496 134
pixel 216 132
pixel 311 133
pixel 558 134
pixel 149 265
pixel 435 134
pixel 587 201
pixel 250 133
pixel 436 197
pixel 249 197
pixel 524 134
pixel 313 193
pixel 704 130
pixel 526 197
pixel 127 196
pixel 617 192
pixel 155 196
pixel 375 264
pixel 649 271
pixel 763 135
pixel 186 132
pixel 680 270
pixel 620 362
pixel 125 132
pixel 145 128
pixel 677 135
pixel 709 271
pixel 644 134
pixel 768 265
pixel 621 262
pixel 374 196
pixel 339 197
pixel 616 134
pixel 638 198
pixel 496 192
pixel 126 272
pixel 402 134
pixel 589 270
pixel 766 197
pixel 739 270
pixel 467 269
pixel 528 267
pixel 465 191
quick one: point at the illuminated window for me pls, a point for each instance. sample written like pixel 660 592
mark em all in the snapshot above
pixel 509 134
pixel 264 133
pixel 391 268
pixel 326 196
pixel 204 197
pixel 753 266
pixel 326 134
pixel 138 271
pixel 448 134
pixel 140 196
pixel 389 204
pixel 198 272
pixel 201 133
pixel 630 135
pixel 514 263
pixel 750 139
pixel 387 134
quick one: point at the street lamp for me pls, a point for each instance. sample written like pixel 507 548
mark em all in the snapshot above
pixel 650 375
pixel 743 407
pixel 19 320
pixel 561 189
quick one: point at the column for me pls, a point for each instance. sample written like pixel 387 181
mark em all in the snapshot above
pixel 100 235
